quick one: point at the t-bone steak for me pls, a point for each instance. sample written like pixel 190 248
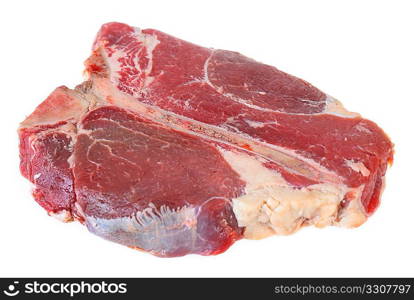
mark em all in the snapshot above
pixel 174 148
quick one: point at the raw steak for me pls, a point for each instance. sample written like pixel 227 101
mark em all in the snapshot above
pixel 175 148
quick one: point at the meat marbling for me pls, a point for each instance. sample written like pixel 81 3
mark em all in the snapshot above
pixel 175 148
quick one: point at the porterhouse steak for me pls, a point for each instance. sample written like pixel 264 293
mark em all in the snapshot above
pixel 175 148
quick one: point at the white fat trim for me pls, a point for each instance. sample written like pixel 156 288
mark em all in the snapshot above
pixel 252 171
pixel 354 214
pixel 335 107
pixel 271 206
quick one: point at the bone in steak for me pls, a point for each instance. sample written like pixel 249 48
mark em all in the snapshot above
pixel 175 148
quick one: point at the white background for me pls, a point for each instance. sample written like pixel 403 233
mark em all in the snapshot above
pixel 360 52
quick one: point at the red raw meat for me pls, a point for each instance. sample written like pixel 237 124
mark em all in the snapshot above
pixel 175 148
